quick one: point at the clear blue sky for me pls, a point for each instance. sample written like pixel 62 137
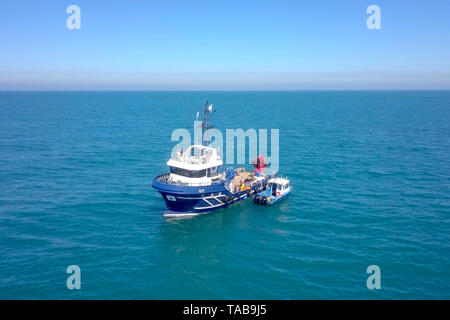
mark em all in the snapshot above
pixel 228 44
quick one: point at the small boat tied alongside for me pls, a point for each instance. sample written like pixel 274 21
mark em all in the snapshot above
pixel 198 183
pixel 276 190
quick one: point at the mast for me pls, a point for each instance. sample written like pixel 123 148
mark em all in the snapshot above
pixel 207 113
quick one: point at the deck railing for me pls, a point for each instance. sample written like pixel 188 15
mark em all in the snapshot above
pixel 164 178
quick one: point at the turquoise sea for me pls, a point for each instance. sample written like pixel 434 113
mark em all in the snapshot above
pixel 371 178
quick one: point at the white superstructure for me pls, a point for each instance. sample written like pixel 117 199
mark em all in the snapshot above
pixel 198 165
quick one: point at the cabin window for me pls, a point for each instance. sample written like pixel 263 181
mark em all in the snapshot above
pixel 188 173
pixel 211 171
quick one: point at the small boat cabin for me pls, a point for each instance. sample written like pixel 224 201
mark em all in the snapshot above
pixel 277 187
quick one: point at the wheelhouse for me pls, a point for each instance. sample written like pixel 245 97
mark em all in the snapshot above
pixel 197 165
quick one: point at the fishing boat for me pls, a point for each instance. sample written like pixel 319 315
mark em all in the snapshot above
pixel 276 190
pixel 197 181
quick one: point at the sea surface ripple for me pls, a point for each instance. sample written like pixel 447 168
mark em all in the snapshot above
pixel 371 178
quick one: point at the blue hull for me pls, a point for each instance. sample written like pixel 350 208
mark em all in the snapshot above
pixel 273 199
pixel 277 199
pixel 190 200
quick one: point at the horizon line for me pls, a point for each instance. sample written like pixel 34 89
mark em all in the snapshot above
pixel 210 90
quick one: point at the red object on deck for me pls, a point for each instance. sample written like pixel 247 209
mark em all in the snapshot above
pixel 260 164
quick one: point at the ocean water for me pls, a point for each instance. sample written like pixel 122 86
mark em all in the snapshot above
pixel 371 178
